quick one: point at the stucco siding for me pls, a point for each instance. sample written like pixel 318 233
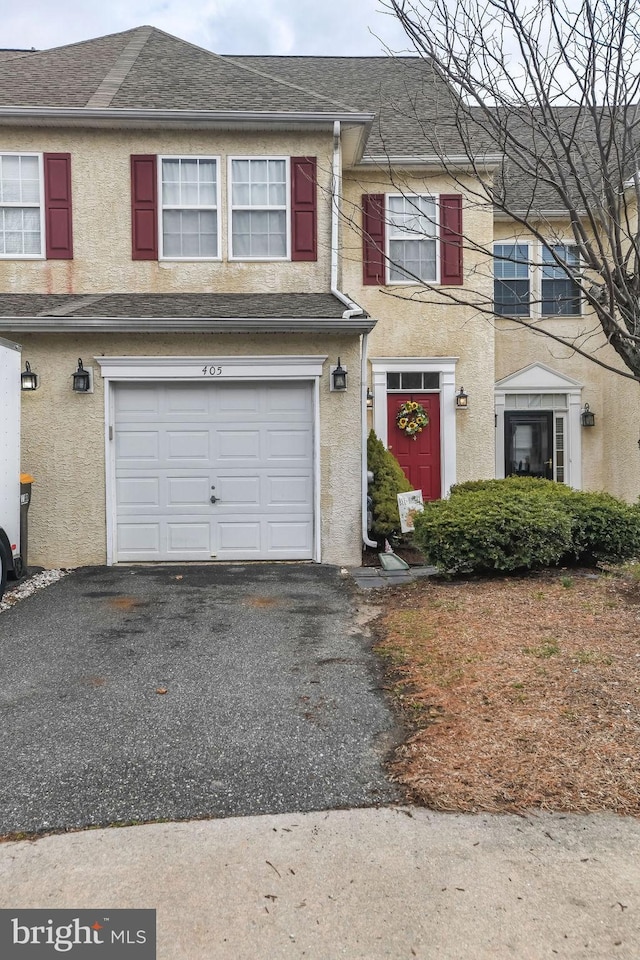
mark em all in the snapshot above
pixel 414 321
pixel 100 173
pixel 63 437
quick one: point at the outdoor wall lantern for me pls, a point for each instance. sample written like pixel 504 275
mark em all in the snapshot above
pixel 338 377
pixel 462 399
pixel 369 399
pixel 587 418
pixel 28 380
pixel 81 379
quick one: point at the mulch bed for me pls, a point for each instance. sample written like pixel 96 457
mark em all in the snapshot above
pixel 519 693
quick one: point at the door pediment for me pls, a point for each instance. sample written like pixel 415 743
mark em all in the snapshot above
pixel 538 378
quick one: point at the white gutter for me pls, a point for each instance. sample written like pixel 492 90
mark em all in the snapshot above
pixel 129 115
pixel 352 310
pixel 57 324
pixel 487 161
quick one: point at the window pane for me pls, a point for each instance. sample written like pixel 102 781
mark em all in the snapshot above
pixel 511 298
pixel 511 261
pixel 412 259
pixel 258 233
pixel 567 254
pixel 189 233
pixel 560 298
pixel 20 231
pixel 412 381
pixel 393 381
pixel 415 215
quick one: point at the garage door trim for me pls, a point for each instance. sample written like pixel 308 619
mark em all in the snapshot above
pixel 225 369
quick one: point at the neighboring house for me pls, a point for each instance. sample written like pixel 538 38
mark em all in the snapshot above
pixel 211 236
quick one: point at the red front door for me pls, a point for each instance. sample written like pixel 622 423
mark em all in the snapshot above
pixel 419 458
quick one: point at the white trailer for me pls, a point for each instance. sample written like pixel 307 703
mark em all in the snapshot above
pixel 10 366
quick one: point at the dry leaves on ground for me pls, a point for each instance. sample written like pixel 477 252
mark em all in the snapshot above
pixel 521 692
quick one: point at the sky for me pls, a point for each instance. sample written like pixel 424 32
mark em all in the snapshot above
pixel 286 27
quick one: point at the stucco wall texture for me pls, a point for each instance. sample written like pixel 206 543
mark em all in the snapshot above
pixel 610 452
pixel 415 322
pixel 63 437
pixel 100 181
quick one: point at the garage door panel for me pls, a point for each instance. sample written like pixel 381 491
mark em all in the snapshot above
pixel 293 400
pixel 137 445
pixel 138 491
pixel 188 445
pixel 289 535
pixel 185 536
pixel 238 445
pixel 238 490
pixel 187 491
pixel 239 536
pixel 143 538
pixel 288 491
pixel 176 444
pixel 187 398
pixel 288 445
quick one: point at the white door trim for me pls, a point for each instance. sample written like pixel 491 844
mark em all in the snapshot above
pixel 541 379
pixel 120 369
pixel 446 367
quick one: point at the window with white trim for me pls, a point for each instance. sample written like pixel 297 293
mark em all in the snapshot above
pixel 511 284
pixel 189 208
pixel 21 207
pixel 560 294
pixel 412 232
pixel 259 208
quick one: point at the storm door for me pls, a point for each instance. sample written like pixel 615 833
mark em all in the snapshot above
pixel 528 444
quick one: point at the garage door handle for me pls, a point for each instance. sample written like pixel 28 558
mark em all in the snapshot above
pixel 213 498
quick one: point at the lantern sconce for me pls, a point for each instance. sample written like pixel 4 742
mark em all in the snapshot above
pixel 338 377
pixel 82 379
pixel 462 399
pixel 587 417
pixel 369 399
pixel 28 380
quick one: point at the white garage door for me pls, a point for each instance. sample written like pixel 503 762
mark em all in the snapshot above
pixel 221 471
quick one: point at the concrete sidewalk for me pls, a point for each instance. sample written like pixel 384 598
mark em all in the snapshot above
pixel 362 884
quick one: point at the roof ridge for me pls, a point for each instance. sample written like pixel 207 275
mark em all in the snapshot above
pixel 104 94
pixel 225 58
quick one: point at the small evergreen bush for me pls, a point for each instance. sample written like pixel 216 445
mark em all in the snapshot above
pixel 526 522
pixel 492 531
pixel 388 481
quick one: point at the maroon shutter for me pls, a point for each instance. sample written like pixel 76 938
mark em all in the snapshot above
pixel 57 206
pixel 373 265
pixel 304 242
pixel 451 239
pixel 144 207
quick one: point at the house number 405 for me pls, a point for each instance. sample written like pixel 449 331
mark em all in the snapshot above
pixel 212 371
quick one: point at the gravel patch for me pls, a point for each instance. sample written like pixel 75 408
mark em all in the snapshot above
pixel 26 588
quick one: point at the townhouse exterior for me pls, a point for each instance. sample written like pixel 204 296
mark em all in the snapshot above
pixel 209 238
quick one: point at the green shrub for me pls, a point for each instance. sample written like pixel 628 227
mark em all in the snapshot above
pixel 388 481
pixel 605 529
pixel 500 525
pixel 492 531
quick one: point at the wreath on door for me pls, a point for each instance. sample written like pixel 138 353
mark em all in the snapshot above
pixel 412 418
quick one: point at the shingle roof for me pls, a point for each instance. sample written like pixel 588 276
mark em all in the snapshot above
pixel 154 71
pixel 148 69
pixel 208 306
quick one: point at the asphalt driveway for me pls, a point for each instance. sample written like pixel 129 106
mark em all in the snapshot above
pixel 272 700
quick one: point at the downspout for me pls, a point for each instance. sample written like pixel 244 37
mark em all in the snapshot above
pixel 352 310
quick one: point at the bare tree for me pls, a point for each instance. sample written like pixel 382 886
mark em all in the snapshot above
pixel 553 88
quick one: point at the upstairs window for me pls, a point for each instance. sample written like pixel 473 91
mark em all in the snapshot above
pixel 511 285
pixel 412 235
pixel 21 208
pixel 259 192
pixel 560 295
pixel 189 208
